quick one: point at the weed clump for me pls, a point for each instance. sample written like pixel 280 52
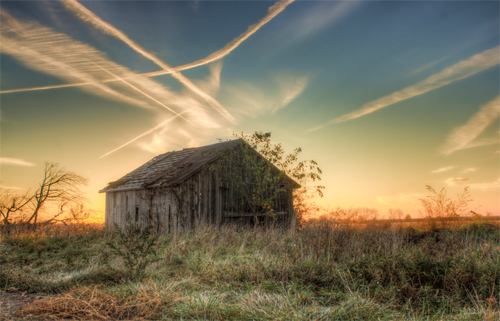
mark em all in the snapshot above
pixel 136 246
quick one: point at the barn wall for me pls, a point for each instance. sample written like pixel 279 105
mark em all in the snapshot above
pixel 140 206
pixel 197 200
pixel 194 203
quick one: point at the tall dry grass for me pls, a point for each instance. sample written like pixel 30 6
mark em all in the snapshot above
pixel 318 273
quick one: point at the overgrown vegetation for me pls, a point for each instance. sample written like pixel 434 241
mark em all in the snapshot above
pixel 137 246
pixel 318 273
pixel 258 182
pixel 439 208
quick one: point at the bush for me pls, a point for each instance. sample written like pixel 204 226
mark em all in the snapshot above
pixel 137 246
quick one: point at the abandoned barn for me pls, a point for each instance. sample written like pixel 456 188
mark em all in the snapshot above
pixel 210 185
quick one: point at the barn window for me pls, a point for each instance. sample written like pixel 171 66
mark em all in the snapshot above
pixel 137 214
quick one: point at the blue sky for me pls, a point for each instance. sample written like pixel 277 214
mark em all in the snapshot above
pixel 388 96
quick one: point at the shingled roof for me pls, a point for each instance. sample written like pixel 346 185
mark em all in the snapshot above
pixel 170 168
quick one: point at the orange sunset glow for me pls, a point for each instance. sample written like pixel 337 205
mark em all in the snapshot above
pixel 387 96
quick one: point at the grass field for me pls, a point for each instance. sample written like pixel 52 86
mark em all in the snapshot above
pixel 378 272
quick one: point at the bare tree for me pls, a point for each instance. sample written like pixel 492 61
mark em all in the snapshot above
pixel 396 214
pixel 13 206
pixel 60 188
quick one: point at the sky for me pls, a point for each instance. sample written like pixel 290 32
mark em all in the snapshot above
pixel 387 96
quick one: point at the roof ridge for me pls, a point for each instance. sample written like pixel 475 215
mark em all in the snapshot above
pixel 174 166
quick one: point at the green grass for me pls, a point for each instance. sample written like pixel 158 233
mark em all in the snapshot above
pixel 374 273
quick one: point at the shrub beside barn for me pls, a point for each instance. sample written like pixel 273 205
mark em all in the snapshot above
pixel 186 189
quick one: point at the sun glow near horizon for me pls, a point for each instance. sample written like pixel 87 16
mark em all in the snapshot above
pixel 102 87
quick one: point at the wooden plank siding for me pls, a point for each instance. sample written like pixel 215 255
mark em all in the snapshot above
pixel 172 209
pixel 178 191
pixel 194 203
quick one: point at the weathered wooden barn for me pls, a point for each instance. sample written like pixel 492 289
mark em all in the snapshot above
pixel 186 189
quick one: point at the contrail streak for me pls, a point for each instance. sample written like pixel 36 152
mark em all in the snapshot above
pixel 462 136
pixel 273 11
pixel 15 161
pixel 53 53
pixel 163 123
pixel 42 49
pixel 142 92
pixel 88 16
pixel 75 84
pixel 456 72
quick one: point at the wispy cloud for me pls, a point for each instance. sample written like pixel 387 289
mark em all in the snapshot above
pixel 459 71
pixel 462 181
pixel 403 200
pixel 456 181
pixel 443 169
pixel 486 186
pixel 244 99
pixel 90 17
pixel 42 49
pixel 463 136
pixel 129 84
pixel 216 55
pixel 427 66
pixel 171 133
pixel 251 100
pixel 290 87
pixel 56 54
pixel 5 187
pixel 273 11
pixel 14 161
pixel 493 140
pixel 160 125
pixel 315 18
pixel 468 170
pixel 165 139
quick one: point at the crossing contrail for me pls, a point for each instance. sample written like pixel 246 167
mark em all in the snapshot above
pixel 163 123
pixel 56 54
pixel 273 11
pixel 88 16
pixel 143 93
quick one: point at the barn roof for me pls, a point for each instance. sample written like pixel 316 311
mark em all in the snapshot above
pixel 171 168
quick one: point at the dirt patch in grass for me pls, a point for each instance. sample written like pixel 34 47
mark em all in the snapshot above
pixel 12 301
